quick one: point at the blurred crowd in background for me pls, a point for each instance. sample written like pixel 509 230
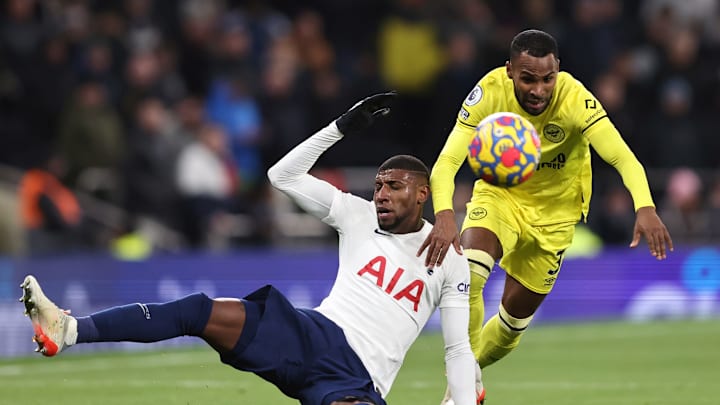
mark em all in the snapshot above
pixel 149 124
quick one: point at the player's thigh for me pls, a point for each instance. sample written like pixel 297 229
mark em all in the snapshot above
pixel 490 212
pixel 536 260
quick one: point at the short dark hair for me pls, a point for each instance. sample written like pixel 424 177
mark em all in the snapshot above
pixel 535 42
pixel 406 162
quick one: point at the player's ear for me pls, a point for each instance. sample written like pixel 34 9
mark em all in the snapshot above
pixel 423 193
pixel 508 69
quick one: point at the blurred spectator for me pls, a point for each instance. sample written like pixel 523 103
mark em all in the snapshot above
pixel 279 92
pixel 208 183
pixel 232 51
pixel 91 141
pixel 171 86
pixel 197 20
pixel 98 63
pixel 674 133
pixel 142 32
pixel 491 31
pixel 410 60
pixel 410 52
pixel 610 89
pixel 700 13
pixel 149 170
pixel 714 210
pixel 50 212
pixel 21 32
pixel 327 97
pixel 592 39
pixel 189 112
pixel 109 28
pixel 461 51
pixel 232 105
pixel 614 220
pixel 48 85
pixel 683 208
pixel 266 24
pixel 540 14
pixel 142 80
pixel 27 60
pixel 74 18
pixel 681 59
pixel 352 27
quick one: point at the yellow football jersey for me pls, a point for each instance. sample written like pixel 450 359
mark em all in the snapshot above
pixel 560 189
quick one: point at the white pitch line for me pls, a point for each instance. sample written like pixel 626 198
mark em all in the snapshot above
pixel 44 366
pixel 569 386
pixel 136 383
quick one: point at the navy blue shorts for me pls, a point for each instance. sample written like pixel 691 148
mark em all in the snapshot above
pixel 300 351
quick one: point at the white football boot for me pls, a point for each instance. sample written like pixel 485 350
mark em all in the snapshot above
pixel 55 330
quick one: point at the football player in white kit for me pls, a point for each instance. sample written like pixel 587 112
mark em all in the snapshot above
pixel 350 348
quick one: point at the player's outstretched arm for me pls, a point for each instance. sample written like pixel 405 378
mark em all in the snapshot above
pixel 649 225
pixel 459 360
pixel 291 173
pixel 363 114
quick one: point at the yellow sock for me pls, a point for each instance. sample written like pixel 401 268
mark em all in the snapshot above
pixel 481 263
pixel 500 335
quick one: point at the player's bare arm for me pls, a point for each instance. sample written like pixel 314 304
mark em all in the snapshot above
pixel 443 235
pixel 445 232
pixel 649 225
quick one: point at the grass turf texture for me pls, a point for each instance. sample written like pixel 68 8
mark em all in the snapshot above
pixel 600 363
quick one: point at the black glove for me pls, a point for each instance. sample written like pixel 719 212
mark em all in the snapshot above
pixel 364 113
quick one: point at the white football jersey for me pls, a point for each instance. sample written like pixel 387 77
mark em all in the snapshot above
pixel 383 294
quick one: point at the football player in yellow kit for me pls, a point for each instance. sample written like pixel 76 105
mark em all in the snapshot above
pixel 528 227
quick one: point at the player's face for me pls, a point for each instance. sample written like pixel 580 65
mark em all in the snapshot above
pixel 534 80
pixel 399 197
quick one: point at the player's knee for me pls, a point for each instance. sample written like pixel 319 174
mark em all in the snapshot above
pixel 195 300
pixel 511 323
pixel 195 310
pixel 480 261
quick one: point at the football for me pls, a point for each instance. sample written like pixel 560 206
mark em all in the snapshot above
pixel 504 150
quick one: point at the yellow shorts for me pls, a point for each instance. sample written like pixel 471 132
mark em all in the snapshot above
pixel 532 254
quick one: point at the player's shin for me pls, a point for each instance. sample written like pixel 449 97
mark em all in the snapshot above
pixel 500 335
pixel 481 263
pixel 147 322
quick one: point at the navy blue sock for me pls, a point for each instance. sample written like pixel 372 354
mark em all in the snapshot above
pixel 147 322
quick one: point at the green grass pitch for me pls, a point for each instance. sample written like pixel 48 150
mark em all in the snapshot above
pixel 599 363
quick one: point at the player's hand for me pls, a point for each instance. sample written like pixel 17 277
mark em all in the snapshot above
pixel 365 112
pixel 442 236
pixel 649 225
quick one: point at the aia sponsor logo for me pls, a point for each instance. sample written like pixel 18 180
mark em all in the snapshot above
pixel 389 281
